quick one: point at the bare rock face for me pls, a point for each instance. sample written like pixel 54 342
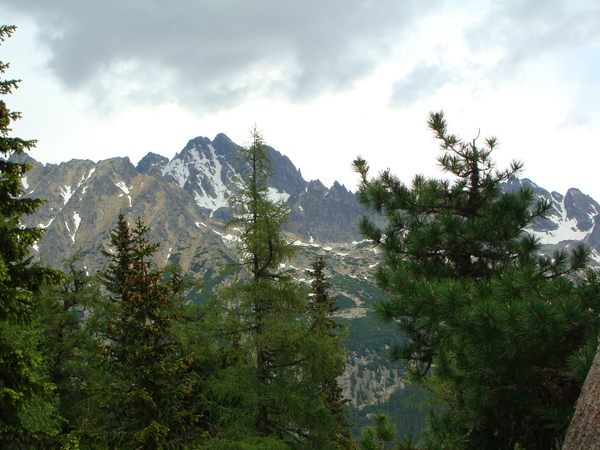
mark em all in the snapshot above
pixel 152 164
pixel 584 430
pixel 573 219
pixel 581 208
pixel 84 199
pixel 210 171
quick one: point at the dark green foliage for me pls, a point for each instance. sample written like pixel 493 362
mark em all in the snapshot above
pixel 121 258
pixel 444 229
pixel 66 340
pixel 379 435
pixel 143 397
pixel 280 358
pixel 258 316
pixel 326 366
pixel 407 407
pixel 21 383
pixel 247 443
pixel 501 326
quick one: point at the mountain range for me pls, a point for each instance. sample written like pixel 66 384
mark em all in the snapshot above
pixel 184 202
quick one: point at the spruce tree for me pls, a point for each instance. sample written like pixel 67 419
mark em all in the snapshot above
pixel 500 325
pixel 144 396
pixel 327 360
pixel 20 377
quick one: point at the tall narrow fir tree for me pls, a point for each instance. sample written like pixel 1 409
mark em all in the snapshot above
pixel 19 276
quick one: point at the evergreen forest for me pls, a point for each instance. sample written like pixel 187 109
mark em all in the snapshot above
pixel 496 339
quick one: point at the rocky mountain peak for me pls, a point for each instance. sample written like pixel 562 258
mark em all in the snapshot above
pixel 152 164
pixel 573 218
pixel 204 172
pixel 225 147
pixel 581 208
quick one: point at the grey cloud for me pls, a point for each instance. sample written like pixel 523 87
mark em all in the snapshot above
pixel 210 54
pixel 530 29
pixel 421 82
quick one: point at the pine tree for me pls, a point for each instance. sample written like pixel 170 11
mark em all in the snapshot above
pixel 20 382
pixel 379 435
pixel 499 324
pixel 144 395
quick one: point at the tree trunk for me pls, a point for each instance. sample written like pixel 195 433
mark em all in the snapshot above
pixel 584 430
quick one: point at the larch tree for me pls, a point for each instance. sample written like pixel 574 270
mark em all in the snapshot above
pixel 20 380
pixel 498 333
pixel 267 388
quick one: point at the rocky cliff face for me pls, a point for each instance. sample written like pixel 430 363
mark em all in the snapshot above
pixel 84 199
pixel 573 219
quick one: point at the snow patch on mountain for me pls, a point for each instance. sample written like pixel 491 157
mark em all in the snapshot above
pixel 274 195
pixel 567 228
pixel 121 185
pixel 178 170
pixel 228 238
pixel 126 190
pixel 41 225
pixel 567 231
pixel 213 167
pixel 85 178
pixel 76 220
pixel 203 169
pixel 211 203
pixel 66 193
pixel 76 223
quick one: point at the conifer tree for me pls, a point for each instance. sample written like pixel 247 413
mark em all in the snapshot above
pixel 271 387
pixel 262 321
pixel 144 395
pixel 499 324
pixel 379 435
pixel 66 340
pixel 328 363
pixel 20 382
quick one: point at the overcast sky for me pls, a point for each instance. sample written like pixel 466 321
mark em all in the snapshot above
pixel 324 80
